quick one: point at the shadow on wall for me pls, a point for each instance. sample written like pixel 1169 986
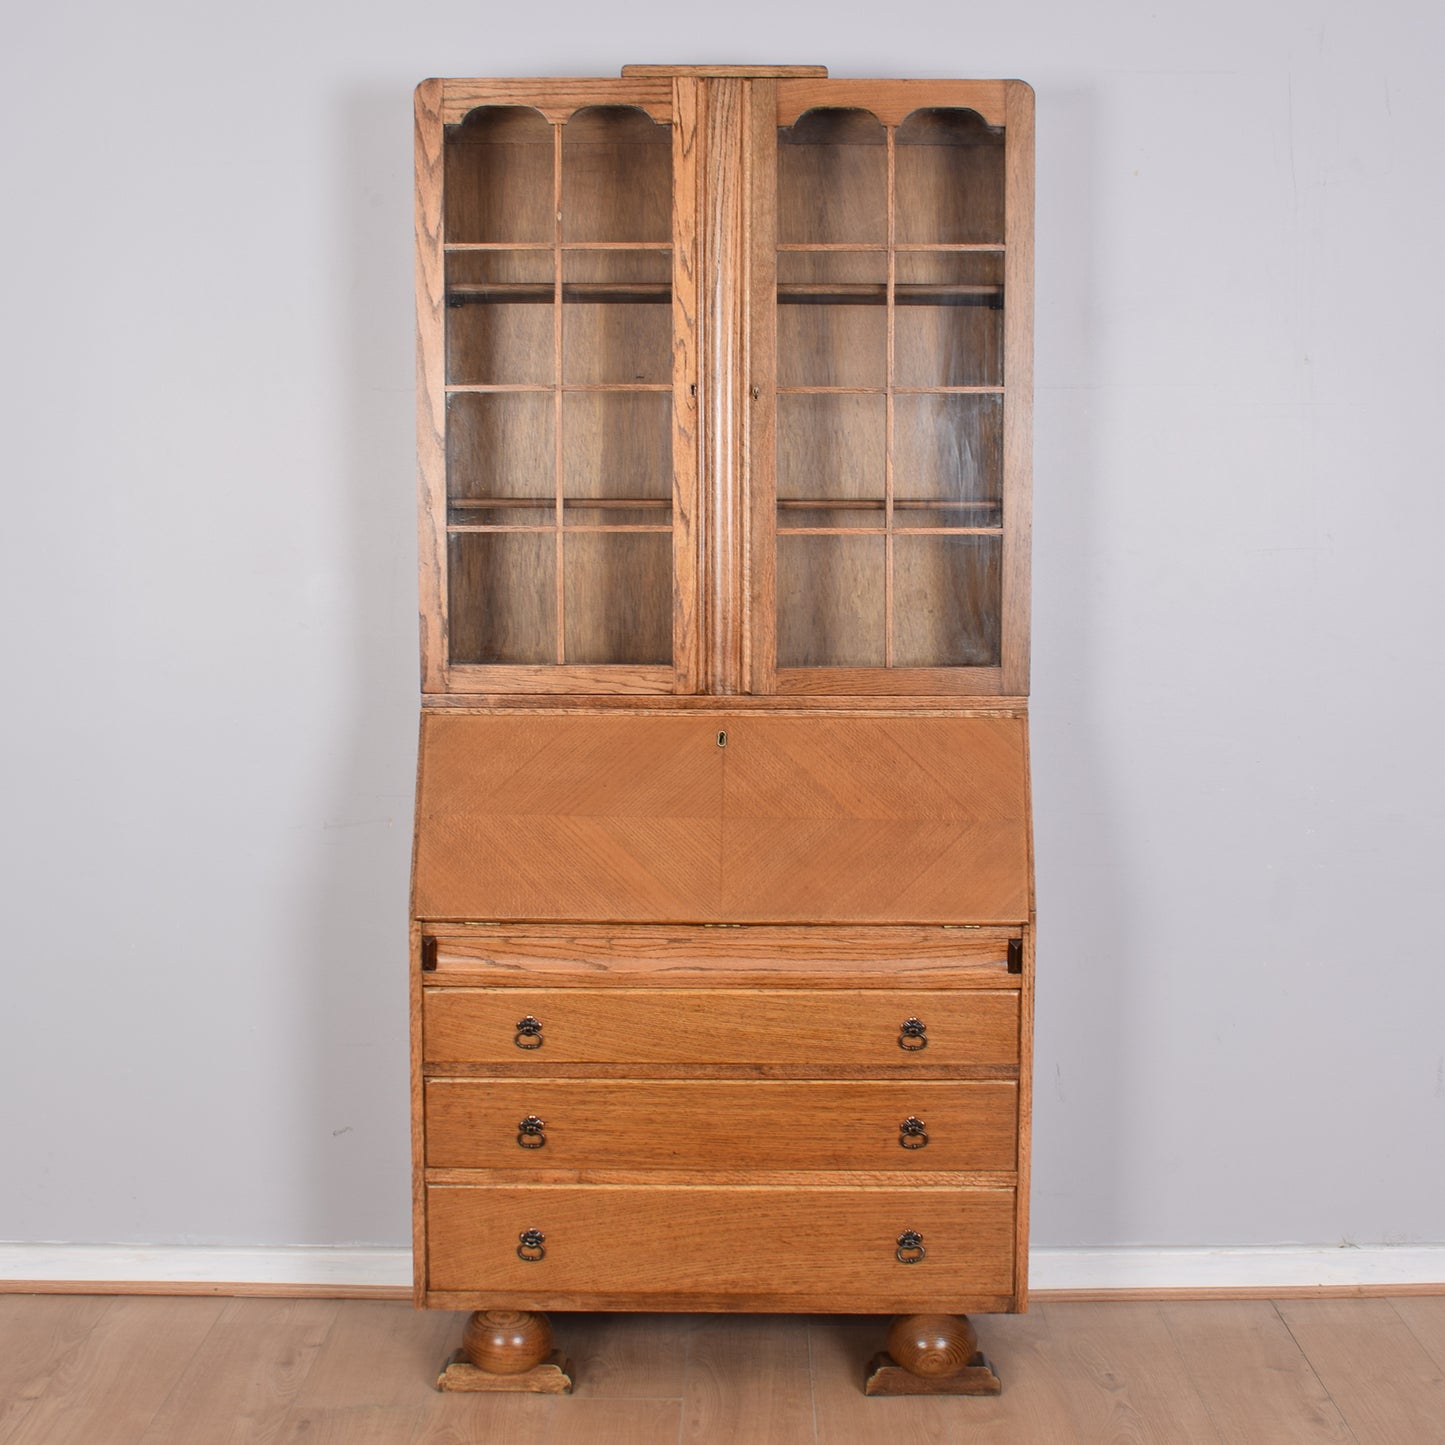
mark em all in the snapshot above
pixel 353 998
pixel 1086 947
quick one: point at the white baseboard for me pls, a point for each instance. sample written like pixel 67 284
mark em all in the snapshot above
pixel 1280 1267
pixel 1369 1267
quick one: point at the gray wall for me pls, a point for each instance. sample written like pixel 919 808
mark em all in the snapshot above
pixel 207 534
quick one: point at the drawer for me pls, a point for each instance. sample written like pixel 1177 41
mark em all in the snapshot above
pixel 752 1124
pixel 653 1241
pixel 960 1028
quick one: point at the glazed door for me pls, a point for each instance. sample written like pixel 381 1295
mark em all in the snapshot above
pixel 892 352
pixel 556 294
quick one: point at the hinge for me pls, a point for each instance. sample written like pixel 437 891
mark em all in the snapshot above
pixel 428 955
pixel 1015 955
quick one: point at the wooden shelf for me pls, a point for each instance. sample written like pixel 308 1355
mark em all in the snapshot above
pixel 660 504
pixel 464 293
pixel 876 504
pixel 875 293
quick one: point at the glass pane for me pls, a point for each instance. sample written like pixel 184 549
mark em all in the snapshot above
pixel 833 325
pixel 498 176
pixel 831 449
pixel 618 596
pixel 948 319
pixel 949 180
pixel 502 597
pixel 830 601
pixel 617 444
pixel 946 601
pixel 499 318
pixel 616 176
pixel 499 445
pixel 617 317
pixel 833 179
pixel 947 461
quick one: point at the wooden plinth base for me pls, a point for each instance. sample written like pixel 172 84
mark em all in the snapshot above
pixel 507 1350
pixel 931 1355
pixel 552 1377
pixel 886 1377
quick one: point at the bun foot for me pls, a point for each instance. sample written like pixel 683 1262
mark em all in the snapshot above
pixel 931 1355
pixel 507 1350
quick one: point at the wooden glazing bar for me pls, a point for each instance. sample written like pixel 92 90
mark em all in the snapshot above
pixel 686 432
pixel 890 292
pixel 463 527
pixel 877 531
pixel 557 448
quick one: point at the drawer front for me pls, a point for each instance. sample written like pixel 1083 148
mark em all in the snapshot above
pixel 746 1240
pixel 687 1124
pixel 957 1028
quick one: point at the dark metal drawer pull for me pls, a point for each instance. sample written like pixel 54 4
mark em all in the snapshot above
pixel 529 1033
pixel 532 1240
pixel 910 1247
pixel 912 1036
pixel 912 1134
pixel 529 1133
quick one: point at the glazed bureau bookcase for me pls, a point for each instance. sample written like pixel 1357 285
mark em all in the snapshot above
pixel 722 911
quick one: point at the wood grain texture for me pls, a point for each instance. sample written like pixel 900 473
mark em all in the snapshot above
pixel 678 957
pixel 686 1124
pixel 557 98
pixel 892 101
pixel 119 1374
pixel 964 1029
pixel 724 341
pixel 38 1340
pixel 747 1383
pixel 430 385
pixel 648 819
pixel 811 1242
pixel 1381 1378
pixel 1251 1374
pixel 1018 382
pixel 246 1374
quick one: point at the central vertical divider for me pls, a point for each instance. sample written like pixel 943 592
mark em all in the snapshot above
pixel 724 349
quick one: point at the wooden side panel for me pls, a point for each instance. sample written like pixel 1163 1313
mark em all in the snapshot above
pixel 594 819
pixel 618 1239
pixel 973 1028
pixel 430 386
pixel 691 1124
pixel 1018 383
pixel 870 820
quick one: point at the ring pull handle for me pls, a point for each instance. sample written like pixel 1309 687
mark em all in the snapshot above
pixel 532 1246
pixel 910 1247
pixel 529 1033
pixel 912 1133
pixel 912 1035
pixel 529 1133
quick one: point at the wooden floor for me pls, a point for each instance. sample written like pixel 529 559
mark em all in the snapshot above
pixel 81 1370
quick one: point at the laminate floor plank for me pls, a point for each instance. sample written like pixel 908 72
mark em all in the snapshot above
pixel 583 1421
pixel 748 1382
pixel 380 1354
pixel 1124 1376
pixel 121 1372
pixel 1425 1318
pixel 39 1335
pixel 1034 1404
pixel 626 1357
pixel 240 1384
pixel 1253 1378
pixel 1384 1381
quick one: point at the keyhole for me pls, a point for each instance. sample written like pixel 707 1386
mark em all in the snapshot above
pixel 722 740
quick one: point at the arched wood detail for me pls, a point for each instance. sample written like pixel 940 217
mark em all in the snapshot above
pixel 892 101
